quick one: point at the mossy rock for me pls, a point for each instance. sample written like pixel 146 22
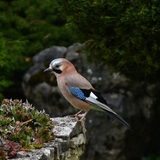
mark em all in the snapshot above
pixel 22 127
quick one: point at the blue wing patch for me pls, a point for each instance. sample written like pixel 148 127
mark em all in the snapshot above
pixel 77 92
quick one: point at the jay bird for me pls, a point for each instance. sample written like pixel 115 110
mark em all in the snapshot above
pixel 78 91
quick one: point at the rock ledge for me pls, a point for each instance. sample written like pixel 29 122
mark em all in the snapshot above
pixel 69 143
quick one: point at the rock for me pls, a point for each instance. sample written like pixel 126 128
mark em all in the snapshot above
pixel 69 143
pixel 107 138
pixel 42 58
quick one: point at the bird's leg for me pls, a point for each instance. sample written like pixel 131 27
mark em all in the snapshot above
pixel 83 117
pixel 76 115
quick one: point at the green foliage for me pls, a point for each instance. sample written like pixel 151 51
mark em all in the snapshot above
pixel 10 60
pixel 22 126
pixel 124 34
pixel 38 22
pixel 39 25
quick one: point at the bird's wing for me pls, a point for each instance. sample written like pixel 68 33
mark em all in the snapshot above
pixel 77 80
pixel 93 97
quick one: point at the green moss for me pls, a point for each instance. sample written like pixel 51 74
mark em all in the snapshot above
pixel 24 125
pixel 40 77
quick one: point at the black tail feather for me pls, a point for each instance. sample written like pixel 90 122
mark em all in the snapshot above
pixel 120 119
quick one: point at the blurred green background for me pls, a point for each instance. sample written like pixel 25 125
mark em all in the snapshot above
pixel 26 28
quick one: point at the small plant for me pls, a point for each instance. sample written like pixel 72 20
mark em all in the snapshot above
pixel 22 127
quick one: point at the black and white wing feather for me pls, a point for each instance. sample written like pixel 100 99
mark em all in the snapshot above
pixel 93 97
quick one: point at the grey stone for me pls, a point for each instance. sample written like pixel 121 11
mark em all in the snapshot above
pixel 107 139
pixel 47 55
pixel 69 142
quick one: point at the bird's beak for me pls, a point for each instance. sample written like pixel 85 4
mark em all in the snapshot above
pixel 47 70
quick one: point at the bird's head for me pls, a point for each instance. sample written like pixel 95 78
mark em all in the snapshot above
pixel 59 66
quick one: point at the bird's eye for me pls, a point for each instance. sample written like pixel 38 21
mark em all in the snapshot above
pixel 57 65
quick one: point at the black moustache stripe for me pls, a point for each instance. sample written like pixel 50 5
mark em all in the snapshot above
pixel 57 71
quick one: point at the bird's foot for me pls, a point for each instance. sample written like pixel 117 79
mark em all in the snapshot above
pixel 81 119
pixel 78 116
